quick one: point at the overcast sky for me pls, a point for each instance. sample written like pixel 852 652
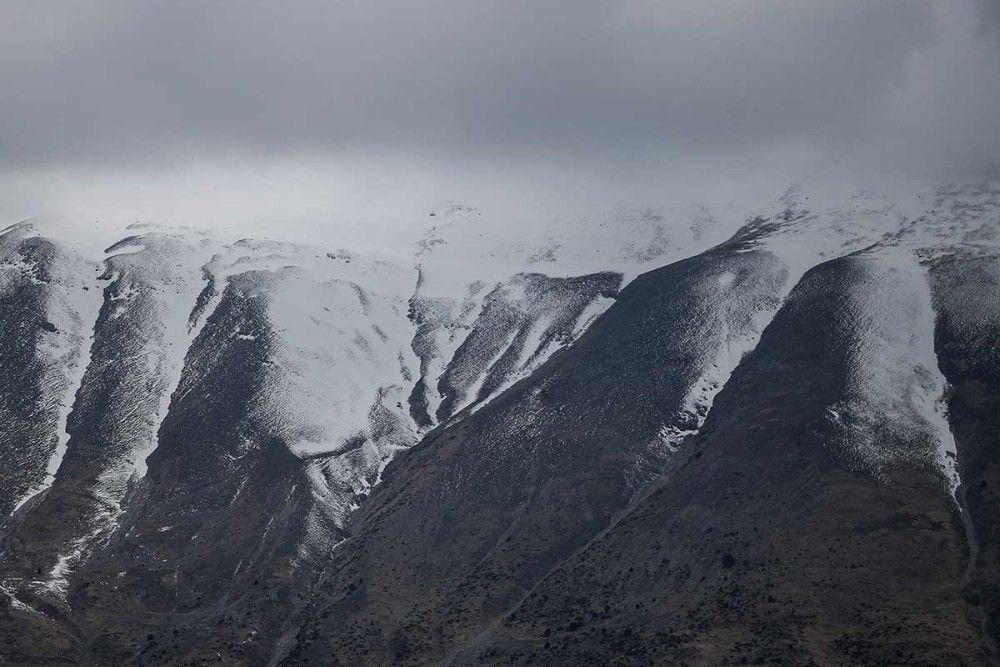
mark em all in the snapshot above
pixel 294 108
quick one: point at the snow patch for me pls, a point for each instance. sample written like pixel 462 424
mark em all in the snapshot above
pixel 894 411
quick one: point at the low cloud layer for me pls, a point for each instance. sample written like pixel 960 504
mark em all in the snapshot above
pixel 624 92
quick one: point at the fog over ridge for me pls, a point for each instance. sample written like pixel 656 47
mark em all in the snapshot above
pixel 312 114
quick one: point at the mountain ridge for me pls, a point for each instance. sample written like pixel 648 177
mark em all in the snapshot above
pixel 261 491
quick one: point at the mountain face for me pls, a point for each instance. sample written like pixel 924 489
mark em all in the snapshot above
pixel 673 443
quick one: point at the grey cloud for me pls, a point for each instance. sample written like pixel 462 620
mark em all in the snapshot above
pixel 989 16
pixel 172 80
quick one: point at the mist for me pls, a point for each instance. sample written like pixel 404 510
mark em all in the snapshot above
pixel 347 120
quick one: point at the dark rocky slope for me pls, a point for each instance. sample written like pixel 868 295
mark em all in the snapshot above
pixel 468 522
pixel 967 295
pixel 766 543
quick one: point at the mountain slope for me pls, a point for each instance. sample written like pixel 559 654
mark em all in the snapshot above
pixel 781 534
pixel 470 521
pixel 237 397
pixel 779 447
pixel 45 311
pixel 572 520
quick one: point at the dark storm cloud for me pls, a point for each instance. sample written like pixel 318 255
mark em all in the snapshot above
pixel 171 80
pixel 989 14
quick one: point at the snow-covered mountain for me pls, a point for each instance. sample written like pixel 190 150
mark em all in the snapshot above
pixel 498 442
pixel 361 352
